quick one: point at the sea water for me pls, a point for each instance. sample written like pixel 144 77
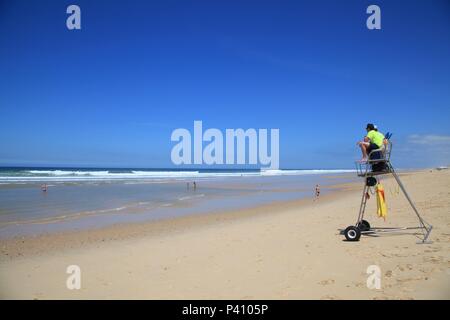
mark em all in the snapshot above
pixel 78 198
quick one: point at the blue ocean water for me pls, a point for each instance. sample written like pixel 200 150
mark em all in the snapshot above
pixel 78 198
pixel 28 174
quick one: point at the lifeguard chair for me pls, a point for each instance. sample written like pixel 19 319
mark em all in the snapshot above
pixel 379 163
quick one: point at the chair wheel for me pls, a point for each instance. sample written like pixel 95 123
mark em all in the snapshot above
pixel 352 233
pixel 364 225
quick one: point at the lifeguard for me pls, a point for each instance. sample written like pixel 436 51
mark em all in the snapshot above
pixel 372 141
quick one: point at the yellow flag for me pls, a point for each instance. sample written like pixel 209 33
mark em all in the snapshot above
pixel 381 202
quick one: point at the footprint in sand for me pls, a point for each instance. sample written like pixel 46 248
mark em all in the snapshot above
pixel 358 284
pixel 433 259
pixel 405 280
pixel 401 268
pixel 326 282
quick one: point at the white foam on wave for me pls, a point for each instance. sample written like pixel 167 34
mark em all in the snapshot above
pixel 68 173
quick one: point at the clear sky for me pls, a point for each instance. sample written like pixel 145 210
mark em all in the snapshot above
pixel 111 93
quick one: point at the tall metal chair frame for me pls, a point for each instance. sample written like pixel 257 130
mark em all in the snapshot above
pixel 379 163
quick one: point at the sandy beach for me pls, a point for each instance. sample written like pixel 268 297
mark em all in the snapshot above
pixel 283 250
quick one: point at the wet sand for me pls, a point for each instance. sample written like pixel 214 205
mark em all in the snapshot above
pixel 283 250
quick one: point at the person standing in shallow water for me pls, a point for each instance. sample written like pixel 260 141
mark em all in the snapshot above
pixel 195 185
pixel 317 192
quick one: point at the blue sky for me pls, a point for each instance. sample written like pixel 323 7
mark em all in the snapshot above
pixel 111 93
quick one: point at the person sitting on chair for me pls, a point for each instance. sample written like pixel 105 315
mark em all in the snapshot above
pixel 372 141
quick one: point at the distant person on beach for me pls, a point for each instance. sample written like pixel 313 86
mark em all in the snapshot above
pixel 372 141
pixel 44 187
pixel 317 191
pixel 195 185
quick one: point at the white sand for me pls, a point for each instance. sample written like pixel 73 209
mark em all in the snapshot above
pixel 281 251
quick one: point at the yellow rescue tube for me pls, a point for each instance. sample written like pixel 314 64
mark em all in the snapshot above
pixel 381 202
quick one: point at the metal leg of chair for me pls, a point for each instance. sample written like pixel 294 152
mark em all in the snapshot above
pixel 427 234
pixel 425 225
pixel 362 207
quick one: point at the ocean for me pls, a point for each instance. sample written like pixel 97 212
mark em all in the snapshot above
pixel 78 198
pixel 29 174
